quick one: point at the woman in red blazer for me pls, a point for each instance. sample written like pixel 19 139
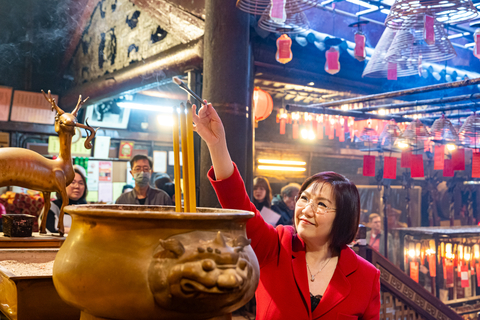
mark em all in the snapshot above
pixel 307 272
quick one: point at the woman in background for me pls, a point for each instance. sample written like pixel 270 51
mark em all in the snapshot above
pixel 77 194
pixel 262 193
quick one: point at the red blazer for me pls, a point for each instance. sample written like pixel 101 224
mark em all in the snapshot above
pixel 283 293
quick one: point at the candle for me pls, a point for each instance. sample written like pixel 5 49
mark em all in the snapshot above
pixel 191 163
pixel 176 162
pixel 183 132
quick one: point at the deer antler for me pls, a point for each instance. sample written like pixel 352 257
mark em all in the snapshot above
pixel 52 102
pixel 90 137
pixel 79 105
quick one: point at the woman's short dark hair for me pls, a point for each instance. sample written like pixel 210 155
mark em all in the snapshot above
pixel 84 195
pixel 347 204
pixel 262 182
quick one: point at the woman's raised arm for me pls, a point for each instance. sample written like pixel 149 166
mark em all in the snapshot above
pixel 210 128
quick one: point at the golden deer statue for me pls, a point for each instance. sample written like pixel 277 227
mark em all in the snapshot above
pixel 26 168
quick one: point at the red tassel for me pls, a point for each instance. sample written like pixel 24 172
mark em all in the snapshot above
pixel 390 168
pixel 417 166
pixel 369 166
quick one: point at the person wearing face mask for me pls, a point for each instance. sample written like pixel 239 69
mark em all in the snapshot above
pixel 284 203
pixel 307 270
pixel 142 193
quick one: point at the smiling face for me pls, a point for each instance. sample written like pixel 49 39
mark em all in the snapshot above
pixel 313 214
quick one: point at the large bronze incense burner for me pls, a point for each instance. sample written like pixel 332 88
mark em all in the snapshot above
pixel 26 168
pixel 150 262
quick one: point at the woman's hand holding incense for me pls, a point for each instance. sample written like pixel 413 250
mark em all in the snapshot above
pixel 210 128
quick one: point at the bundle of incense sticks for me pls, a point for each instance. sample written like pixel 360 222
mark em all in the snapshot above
pixel 182 118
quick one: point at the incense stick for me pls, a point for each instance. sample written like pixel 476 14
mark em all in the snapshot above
pixel 182 85
pixel 176 162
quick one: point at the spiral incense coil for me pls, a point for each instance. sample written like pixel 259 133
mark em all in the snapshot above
pixel 368 135
pixel 442 131
pixel 294 23
pixel 390 134
pixel 409 45
pixel 445 11
pixel 416 130
pixel 259 7
pixel 377 66
pixel 469 133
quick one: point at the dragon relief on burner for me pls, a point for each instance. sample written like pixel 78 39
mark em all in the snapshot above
pixel 206 275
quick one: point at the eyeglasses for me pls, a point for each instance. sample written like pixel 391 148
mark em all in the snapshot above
pixel 77 183
pixel 140 169
pixel 319 207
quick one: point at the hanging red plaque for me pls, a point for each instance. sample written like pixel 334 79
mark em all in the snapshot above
pixel 282 125
pixel 392 71
pixel 417 166
pixel 464 276
pixel 414 270
pixel 449 273
pixel 390 168
pixel 476 48
pixel 432 266
pixel 295 130
pixel 406 160
pixel 428 30
pixel 332 65
pixel 458 159
pixel 369 166
pixel 359 52
pixel 476 165
pixel 438 157
pixel 447 168
pixel 277 11
pixel 284 52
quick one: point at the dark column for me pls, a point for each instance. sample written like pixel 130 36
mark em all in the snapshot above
pixel 227 74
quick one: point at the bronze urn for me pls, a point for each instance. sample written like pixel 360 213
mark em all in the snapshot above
pixel 150 262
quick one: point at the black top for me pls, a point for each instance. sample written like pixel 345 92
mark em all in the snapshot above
pixel 142 201
pixel 315 300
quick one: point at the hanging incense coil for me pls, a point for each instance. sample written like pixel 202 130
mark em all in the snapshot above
pixel 259 7
pixel 368 135
pixel 409 44
pixel 390 134
pixel 445 11
pixel 469 133
pixel 294 23
pixel 442 131
pixel 377 66
pixel 415 131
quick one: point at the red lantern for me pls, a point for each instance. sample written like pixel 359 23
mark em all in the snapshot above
pixel 284 52
pixel 262 104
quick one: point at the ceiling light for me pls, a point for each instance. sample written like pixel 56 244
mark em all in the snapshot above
pixel 276 168
pixel 148 107
pixel 382 112
pixel 311 83
pixel 283 162
pixel 451 147
pixel 165 121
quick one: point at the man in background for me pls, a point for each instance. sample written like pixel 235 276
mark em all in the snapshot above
pixel 284 203
pixel 142 193
pixel 376 237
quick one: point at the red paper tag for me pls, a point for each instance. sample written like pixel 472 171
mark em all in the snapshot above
pixel 331 131
pixel 447 168
pixel 458 159
pixel 417 166
pixel 477 45
pixel 477 271
pixel 359 50
pixel 432 265
pixel 414 270
pixel 438 158
pixel 338 126
pixel 369 166
pixel 332 60
pixel 390 168
pixel 406 160
pixel 277 11
pixel 341 136
pixel 449 273
pixel 320 130
pixel 392 71
pixel 282 125
pixel 464 276
pixel 284 49
pixel 476 165
pixel 295 130
pixel 428 31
